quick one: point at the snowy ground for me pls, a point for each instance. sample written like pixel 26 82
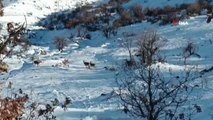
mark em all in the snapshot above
pixel 85 86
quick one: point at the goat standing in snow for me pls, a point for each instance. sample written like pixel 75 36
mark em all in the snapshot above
pixel 37 62
pixel 92 64
pixel 87 64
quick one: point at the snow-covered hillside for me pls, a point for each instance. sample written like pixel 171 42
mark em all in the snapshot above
pixel 36 9
pixel 84 86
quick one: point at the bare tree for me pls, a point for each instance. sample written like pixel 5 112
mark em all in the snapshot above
pixel 147 93
pixel 149 45
pixel 109 31
pixel 190 50
pixel 128 44
pixel 60 43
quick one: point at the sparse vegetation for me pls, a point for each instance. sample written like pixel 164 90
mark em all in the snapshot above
pixel 16 37
pixel 191 49
pixel 4 67
pixel 194 9
pixel 138 13
pixel 149 46
pixel 92 18
pixel 60 43
pixel 127 43
pixel 72 23
pixel 19 106
pixel 145 91
pixel 109 31
pixel 125 19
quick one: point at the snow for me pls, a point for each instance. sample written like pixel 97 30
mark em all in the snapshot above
pixel 158 3
pixel 52 79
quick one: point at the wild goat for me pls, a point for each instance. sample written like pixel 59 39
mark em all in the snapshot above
pixel 87 64
pixel 37 62
pixel 92 64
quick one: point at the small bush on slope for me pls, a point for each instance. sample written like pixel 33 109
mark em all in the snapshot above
pixel 138 12
pixel 4 67
pixel 190 50
pixel 60 43
pixel 194 9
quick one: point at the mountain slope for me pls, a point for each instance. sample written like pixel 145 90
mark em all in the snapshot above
pixel 85 86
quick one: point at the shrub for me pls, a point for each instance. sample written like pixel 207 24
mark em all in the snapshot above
pixel 90 19
pixel 87 17
pixel 82 32
pixel 165 20
pixel 72 23
pixel 190 49
pixel 109 31
pixel 138 12
pixel 93 27
pixel 194 9
pixel 4 67
pixel 144 89
pixel 117 6
pixel 168 9
pixel 15 38
pixel 60 43
pixel 210 9
pixel 106 13
pixel 203 3
pixel 183 6
pixel 149 46
pixel 12 108
pixel 148 12
pixel 17 106
pixel 128 43
pixel 43 52
pixel 66 62
pixel 157 11
pixel 125 19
